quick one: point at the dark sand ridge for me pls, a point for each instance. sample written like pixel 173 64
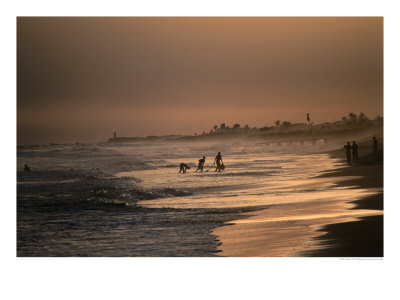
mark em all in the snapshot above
pixel 352 234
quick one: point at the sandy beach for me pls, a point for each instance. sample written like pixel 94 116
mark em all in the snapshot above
pixel 319 229
pixel 364 237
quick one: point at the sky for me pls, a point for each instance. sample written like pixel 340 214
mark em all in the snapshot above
pixel 81 79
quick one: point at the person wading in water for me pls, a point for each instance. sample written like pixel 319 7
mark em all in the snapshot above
pixel 220 163
pixel 201 164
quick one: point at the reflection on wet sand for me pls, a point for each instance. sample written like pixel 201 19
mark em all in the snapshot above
pixel 286 230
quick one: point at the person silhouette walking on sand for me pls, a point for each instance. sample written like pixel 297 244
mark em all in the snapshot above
pixel 218 160
pixel 348 152
pixel 375 146
pixel 201 164
pixel 354 149
pixel 183 167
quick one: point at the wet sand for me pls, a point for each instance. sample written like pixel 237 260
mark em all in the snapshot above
pixel 361 238
pixel 317 229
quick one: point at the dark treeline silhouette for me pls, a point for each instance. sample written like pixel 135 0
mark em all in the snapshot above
pixel 350 123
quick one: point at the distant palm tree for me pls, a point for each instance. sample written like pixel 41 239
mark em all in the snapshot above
pixel 353 117
pixel 362 118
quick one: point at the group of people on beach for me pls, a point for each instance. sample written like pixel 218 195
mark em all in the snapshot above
pixel 352 150
pixel 218 160
pixel 351 155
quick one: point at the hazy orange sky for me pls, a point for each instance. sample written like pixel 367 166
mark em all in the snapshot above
pixel 81 79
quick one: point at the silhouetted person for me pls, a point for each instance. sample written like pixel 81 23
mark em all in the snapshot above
pixel 354 149
pixel 201 164
pixel 348 152
pixel 183 167
pixel 27 169
pixel 218 160
pixel 375 146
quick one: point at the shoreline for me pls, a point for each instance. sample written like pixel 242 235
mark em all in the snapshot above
pixel 356 233
pixel 362 237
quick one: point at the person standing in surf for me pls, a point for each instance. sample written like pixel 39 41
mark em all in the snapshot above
pixel 201 164
pixel 375 146
pixel 354 149
pixel 348 152
pixel 220 163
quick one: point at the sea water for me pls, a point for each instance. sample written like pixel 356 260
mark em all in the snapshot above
pixel 112 199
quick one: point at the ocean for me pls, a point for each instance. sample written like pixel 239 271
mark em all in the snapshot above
pixel 128 199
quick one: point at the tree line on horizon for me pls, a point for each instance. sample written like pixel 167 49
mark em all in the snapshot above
pixel 352 120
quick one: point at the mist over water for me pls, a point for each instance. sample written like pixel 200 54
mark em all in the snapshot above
pixel 129 200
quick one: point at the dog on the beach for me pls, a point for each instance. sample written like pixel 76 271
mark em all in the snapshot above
pixel 183 167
